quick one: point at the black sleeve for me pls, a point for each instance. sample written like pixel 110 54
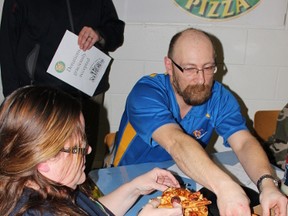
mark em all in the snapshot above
pixel 9 31
pixel 111 28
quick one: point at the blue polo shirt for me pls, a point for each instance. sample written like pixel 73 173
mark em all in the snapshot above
pixel 152 104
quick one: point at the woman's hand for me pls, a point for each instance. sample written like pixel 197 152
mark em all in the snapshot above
pixel 87 38
pixel 156 179
pixel 150 209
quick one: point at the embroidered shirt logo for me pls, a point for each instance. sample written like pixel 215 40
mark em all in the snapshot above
pixel 153 75
pixel 198 134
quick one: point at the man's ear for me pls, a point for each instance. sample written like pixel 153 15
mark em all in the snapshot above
pixel 168 65
pixel 43 167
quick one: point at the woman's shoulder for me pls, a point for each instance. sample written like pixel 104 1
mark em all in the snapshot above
pixel 24 199
pixel 92 207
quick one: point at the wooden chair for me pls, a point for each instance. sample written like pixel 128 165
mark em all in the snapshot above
pixel 265 122
pixel 109 142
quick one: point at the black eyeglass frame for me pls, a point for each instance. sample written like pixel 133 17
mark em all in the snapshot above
pixel 202 69
pixel 76 150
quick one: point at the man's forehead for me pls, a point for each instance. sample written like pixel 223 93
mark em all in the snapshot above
pixel 191 41
pixel 194 36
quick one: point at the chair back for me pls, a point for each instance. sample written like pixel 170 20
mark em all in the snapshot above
pixel 109 142
pixel 265 122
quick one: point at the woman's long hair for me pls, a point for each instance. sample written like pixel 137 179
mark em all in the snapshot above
pixel 35 123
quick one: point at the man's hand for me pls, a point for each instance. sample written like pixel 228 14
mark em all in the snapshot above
pixel 233 201
pixel 272 199
pixel 87 38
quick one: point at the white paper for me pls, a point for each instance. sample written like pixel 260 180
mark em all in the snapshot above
pixel 235 171
pixel 83 70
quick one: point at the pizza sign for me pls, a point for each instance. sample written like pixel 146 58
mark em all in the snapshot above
pixel 217 9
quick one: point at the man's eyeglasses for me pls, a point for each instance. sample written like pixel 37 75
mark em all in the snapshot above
pixel 76 150
pixel 193 71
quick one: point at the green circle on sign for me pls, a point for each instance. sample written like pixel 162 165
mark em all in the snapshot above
pixel 60 66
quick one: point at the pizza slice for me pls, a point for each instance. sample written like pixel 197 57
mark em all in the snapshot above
pixel 193 203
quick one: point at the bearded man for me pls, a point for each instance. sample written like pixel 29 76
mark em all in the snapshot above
pixel 173 115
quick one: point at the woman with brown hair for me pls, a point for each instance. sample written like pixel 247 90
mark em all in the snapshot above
pixel 42 151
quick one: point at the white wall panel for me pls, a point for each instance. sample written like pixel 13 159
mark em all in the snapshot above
pixel 267 47
pixel 125 75
pixel 282 85
pixel 268 13
pixel 255 49
pixel 252 82
pixel 233 42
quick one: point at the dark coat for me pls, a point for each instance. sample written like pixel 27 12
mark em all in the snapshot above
pixel 31 31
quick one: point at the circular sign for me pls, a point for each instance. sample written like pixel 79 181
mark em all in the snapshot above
pixel 217 9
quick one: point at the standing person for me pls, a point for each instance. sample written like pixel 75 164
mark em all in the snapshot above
pixel 278 142
pixel 42 151
pixel 173 115
pixel 30 33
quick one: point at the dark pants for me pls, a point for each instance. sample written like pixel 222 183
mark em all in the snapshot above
pixel 95 121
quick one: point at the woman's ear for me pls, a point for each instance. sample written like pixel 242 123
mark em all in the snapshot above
pixel 43 167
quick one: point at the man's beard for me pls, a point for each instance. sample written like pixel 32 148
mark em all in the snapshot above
pixel 193 94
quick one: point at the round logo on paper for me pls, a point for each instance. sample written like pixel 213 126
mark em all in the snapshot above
pixel 217 10
pixel 60 66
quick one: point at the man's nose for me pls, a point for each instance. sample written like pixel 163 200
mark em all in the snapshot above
pixel 200 77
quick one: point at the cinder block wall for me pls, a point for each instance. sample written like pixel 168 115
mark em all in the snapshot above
pixel 255 52
pixel 254 45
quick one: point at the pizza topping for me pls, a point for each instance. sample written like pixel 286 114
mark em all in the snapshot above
pixel 176 199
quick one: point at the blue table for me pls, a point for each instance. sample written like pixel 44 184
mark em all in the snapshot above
pixel 108 179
